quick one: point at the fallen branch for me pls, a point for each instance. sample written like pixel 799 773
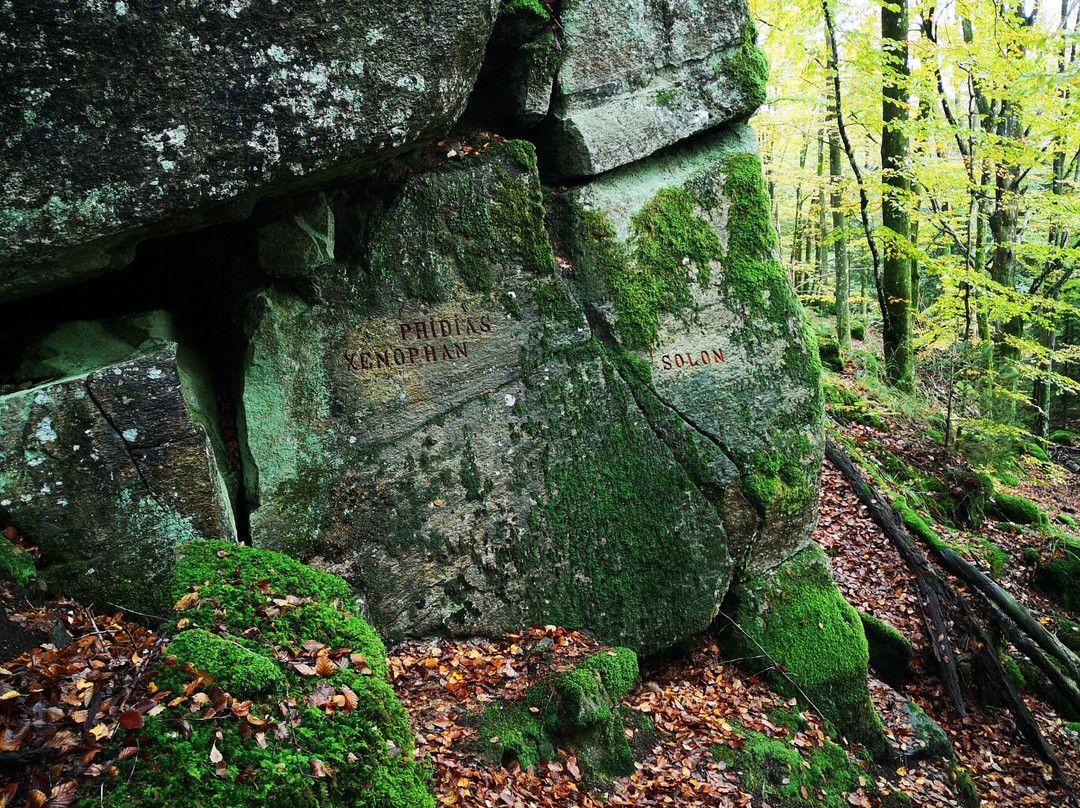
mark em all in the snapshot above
pixel 930 585
pixel 885 517
pixel 1018 614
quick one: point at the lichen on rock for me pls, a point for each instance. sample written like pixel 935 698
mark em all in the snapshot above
pixel 109 472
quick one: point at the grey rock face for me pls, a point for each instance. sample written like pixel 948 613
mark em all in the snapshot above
pixel 733 362
pixel 120 120
pixel 108 472
pixel 439 423
pixel 624 79
pixel 471 436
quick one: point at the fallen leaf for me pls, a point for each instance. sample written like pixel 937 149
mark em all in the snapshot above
pixel 187 601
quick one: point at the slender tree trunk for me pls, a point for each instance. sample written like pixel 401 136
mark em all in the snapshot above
pixel 822 226
pixel 839 236
pixel 1040 392
pixel 1004 227
pixel 796 232
pixel 896 269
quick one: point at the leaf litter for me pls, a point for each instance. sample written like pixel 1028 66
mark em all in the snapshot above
pixel 72 713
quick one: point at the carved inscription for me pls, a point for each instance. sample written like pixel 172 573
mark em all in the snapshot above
pixel 691 360
pixel 423 342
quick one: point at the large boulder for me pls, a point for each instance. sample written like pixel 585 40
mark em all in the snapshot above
pixel 132 118
pixel 730 370
pixel 477 437
pixel 602 84
pixel 107 472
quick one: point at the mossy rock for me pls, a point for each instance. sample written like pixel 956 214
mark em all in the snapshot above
pixel 107 473
pixel 233 583
pixel 890 651
pixel 352 757
pixel 1063 437
pixel 933 741
pixel 858 330
pixel 1015 508
pixel 235 668
pixel 1036 451
pixel 829 353
pixel 1059 578
pixel 1068 634
pixel 798 619
pixel 576 709
pixel 782 774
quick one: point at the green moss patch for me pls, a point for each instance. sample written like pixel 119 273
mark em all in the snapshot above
pixel 751 271
pixel 1068 634
pixel 672 247
pixel 237 587
pixel 575 709
pixel 310 734
pixel 463 221
pixel 1013 508
pixel 236 669
pixel 823 776
pixel 778 481
pixel 16 565
pixel 1059 578
pixel 799 621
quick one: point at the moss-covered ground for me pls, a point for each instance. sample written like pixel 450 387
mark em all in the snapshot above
pixel 796 624
pixel 282 696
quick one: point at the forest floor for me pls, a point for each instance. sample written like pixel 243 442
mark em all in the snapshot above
pixel 696 702
pixel 699 701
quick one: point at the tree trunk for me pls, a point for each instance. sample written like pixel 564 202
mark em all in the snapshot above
pixel 822 247
pixel 1004 227
pixel 896 269
pixel 839 235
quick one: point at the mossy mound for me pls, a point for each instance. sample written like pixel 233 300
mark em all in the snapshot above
pixel 1068 634
pixel 236 670
pixel 770 767
pixel 797 618
pixel 1063 437
pixel 576 709
pixel 301 740
pixel 890 651
pixel 829 353
pixel 1059 578
pixel 1014 508
pixel 234 584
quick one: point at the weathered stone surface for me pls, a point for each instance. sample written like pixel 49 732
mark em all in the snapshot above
pixel 108 472
pixel 732 375
pixel 438 421
pixel 121 120
pixel 82 346
pixel 621 80
pixel 477 441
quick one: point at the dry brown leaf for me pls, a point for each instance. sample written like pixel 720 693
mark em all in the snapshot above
pixel 186 602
